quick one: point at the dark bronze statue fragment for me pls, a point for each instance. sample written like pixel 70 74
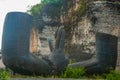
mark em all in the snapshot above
pixel 15 48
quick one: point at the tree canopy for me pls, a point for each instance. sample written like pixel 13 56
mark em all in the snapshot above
pixel 35 9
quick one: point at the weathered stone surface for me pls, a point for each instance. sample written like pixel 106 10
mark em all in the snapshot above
pixel 39 40
pixel 80 40
pixel 105 17
pixel 48 32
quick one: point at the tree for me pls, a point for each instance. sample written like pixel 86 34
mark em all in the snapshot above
pixel 36 8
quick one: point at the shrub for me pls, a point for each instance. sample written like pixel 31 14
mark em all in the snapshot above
pixel 113 75
pixel 4 75
pixel 73 73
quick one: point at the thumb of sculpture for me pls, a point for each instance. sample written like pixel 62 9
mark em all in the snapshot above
pixel 50 44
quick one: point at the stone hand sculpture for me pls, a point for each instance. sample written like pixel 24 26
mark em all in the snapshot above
pixel 15 47
pixel 57 56
pixel 106 55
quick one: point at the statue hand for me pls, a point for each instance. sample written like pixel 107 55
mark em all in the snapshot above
pixel 58 56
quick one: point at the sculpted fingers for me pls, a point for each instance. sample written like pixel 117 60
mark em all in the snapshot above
pixel 58 38
pixel 62 39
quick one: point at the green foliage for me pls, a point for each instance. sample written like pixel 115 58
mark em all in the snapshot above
pixel 34 9
pixel 113 75
pixel 70 61
pixel 81 8
pixel 80 73
pixel 97 76
pixel 73 73
pixel 68 73
pixel 69 3
pixel 4 75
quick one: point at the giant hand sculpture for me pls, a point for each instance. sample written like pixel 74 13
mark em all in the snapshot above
pixel 57 56
pixel 15 47
pixel 16 54
pixel 106 55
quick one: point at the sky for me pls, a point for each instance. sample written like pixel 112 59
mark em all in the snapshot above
pixel 12 6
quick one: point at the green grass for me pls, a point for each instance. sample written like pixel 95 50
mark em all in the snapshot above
pixel 73 73
pixel 76 73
